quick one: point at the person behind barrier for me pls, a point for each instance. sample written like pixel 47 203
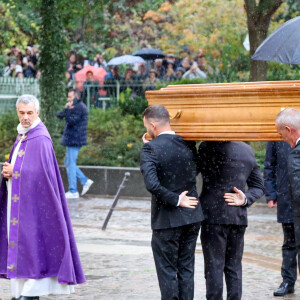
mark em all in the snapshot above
pixel 75 114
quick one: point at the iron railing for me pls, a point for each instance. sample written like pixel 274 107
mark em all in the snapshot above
pixel 92 95
pixel 12 88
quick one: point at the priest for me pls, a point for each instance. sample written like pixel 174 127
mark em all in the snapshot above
pixel 38 251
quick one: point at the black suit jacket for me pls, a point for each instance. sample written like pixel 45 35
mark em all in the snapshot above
pixel 168 165
pixel 294 178
pixel 225 165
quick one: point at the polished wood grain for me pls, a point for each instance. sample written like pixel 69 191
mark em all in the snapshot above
pixel 227 111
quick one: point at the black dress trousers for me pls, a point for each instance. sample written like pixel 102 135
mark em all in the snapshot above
pixel 223 247
pixel 289 254
pixel 174 256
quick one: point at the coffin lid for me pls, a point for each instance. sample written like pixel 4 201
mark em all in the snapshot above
pixel 243 111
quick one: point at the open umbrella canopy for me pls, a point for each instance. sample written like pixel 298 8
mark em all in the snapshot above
pixel 125 59
pixel 149 53
pixel 98 74
pixel 283 45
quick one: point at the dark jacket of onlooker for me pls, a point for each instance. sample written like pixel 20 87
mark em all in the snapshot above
pixel 276 179
pixel 110 82
pixel 90 91
pixel 75 131
pixel 29 71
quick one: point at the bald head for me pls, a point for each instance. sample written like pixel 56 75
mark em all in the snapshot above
pixel 288 125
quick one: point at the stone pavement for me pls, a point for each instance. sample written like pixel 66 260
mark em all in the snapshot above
pixel 118 262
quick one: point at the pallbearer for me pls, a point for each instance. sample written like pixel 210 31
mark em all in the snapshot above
pixel 37 246
pixel 226 168
pixel 169 167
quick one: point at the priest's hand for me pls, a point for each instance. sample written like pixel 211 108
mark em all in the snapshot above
pixel 187 201
pixel 7 170
pixel 235 199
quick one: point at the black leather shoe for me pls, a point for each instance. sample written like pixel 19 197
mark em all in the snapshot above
pixel 284 289
pixel 29 298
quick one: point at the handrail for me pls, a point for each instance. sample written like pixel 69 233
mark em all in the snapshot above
pixel 11 88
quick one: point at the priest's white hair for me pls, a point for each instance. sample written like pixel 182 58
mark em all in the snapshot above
pixel 27 99
pixel 289 117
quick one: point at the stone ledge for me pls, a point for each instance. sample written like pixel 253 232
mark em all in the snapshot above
pixel 108 179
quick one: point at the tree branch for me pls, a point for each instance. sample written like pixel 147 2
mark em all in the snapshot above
pixel 250 7
pixel 268 7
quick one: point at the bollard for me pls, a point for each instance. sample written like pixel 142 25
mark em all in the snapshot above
pixel 127 174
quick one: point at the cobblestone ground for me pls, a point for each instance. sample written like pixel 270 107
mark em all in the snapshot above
pixel 118 262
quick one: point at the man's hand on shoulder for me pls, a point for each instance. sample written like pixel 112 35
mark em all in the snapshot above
pixel 187 201
pixel 235 199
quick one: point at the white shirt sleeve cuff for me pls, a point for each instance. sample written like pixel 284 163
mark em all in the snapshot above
pixel 246 201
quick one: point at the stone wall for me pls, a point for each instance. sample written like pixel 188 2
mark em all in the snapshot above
pixel 108 179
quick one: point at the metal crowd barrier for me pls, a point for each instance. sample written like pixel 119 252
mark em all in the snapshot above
pixel 109 93
pixel 11 88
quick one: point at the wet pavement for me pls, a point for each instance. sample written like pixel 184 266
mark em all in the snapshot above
pixel 118 262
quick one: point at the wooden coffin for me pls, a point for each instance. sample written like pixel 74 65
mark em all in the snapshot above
pixel 227 111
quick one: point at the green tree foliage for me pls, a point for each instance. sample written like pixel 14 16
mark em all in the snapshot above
pixel 132 105
pixel 292 10
pixel 217 27
pixel 44 17
pixel 8 133
pixel 114 139
pixel 12 32
pixel 260 153
pixel 52 63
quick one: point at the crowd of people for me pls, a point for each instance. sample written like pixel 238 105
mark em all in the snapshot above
pixel 138 77
pixel 22 64
pixel 135 79
pixel 144 76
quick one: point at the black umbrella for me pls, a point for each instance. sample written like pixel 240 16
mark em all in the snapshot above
pixel 149 53
pixel 283 45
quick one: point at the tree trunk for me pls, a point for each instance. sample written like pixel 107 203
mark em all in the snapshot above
pixel 52 64
pixel 257 34
pixel 258 19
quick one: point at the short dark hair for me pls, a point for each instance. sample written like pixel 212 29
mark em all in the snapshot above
pixel 77 93
pixel 71 90
pixel 157 112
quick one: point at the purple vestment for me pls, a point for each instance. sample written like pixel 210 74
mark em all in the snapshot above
pixel 41 242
